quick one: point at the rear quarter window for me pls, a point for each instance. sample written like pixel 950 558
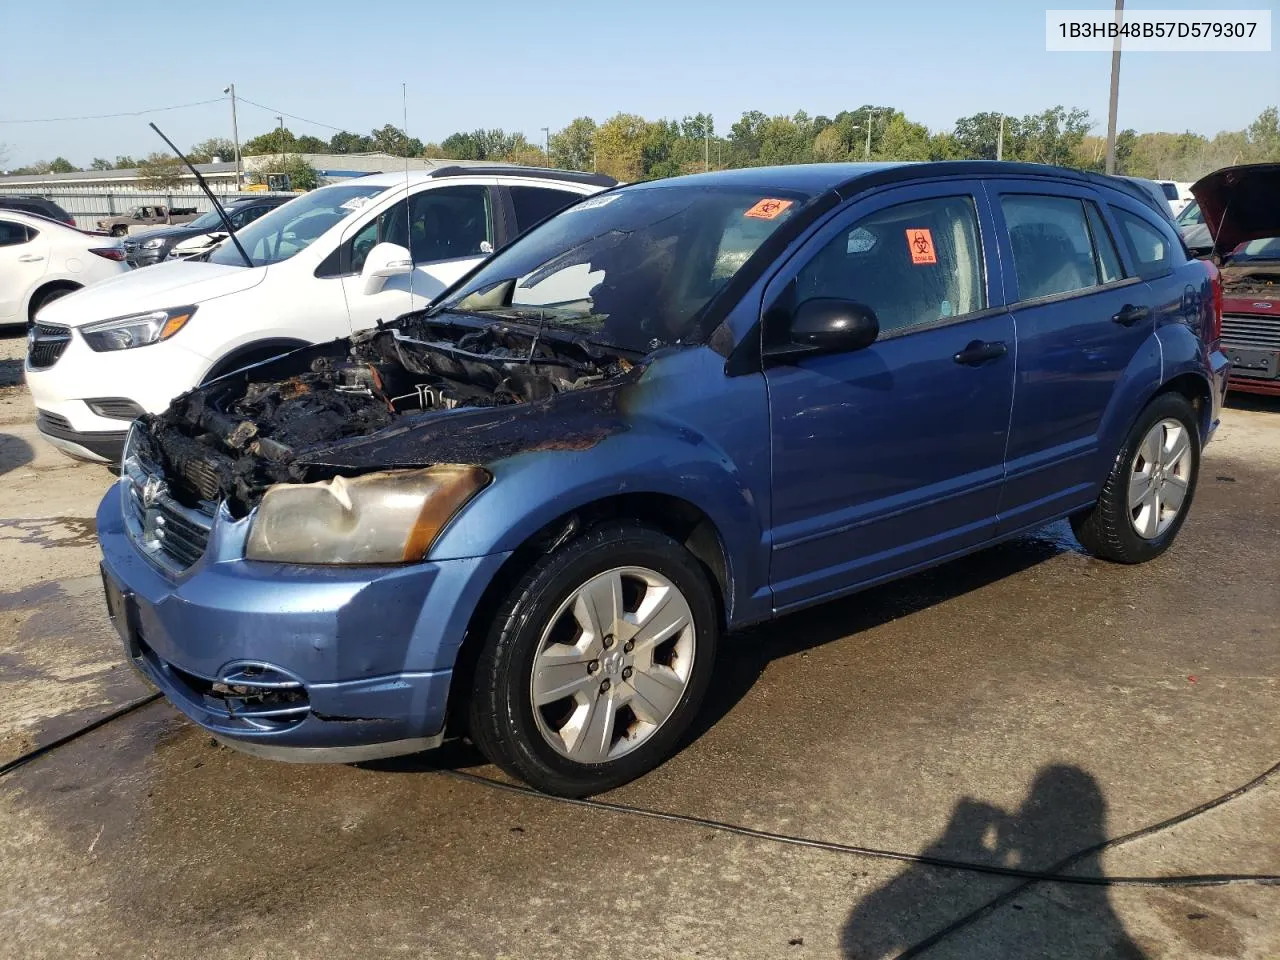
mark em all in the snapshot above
pixel 1154 249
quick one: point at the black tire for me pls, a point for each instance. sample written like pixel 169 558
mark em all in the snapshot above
pixel 501 710
pixel 1106 529
pixel 119 231
pixel 44 298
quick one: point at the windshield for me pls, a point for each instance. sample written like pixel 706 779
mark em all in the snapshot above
pixel 631 268
pixel 1190 216
pixel 293 227
pixel 207 221
pixel 1268 248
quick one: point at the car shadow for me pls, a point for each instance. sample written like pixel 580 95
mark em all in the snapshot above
pixel 1064 813
pixel 744 655
pixel 1252 401
pixel 14 453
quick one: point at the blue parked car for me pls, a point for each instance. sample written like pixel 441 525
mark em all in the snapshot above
pixel 532 513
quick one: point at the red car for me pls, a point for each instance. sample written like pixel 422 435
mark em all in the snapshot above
pixel 1241 207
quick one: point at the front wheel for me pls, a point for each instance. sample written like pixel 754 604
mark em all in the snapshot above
pixel 119 231
pixel 1149 491
pixel 597 662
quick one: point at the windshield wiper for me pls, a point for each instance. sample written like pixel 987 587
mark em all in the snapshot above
pixel 226 221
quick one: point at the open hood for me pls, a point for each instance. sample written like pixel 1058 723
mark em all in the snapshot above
pixel 1240 203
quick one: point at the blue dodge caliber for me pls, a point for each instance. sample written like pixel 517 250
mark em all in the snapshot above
pixel 530 513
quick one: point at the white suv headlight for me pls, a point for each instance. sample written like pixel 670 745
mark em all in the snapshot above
pixel 388 517
pixel 135 330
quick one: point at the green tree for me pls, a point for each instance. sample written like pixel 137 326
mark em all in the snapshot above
pixel 1264 136
pixel 100 164
pixel 571 148
pixel 976 136
pixel 346 142
pixel 619 144
pixel 302 175
pixel 160 172
pixel 280 140
pixel 206 150
pixel 310 144
pixel 902 139
pixel 1051 136
pixel 391 139
pixel 62 165
pixel 125 162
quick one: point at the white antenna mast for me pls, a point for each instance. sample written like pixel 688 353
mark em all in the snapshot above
pixel 408 218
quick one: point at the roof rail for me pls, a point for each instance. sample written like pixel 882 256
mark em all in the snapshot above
pixel 516 170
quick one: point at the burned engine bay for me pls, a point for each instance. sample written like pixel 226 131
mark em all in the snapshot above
pixel 278 421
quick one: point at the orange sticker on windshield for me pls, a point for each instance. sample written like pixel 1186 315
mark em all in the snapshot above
pixel 920 241
pixel 768 209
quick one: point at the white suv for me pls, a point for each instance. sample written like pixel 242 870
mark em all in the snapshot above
pixel 335 260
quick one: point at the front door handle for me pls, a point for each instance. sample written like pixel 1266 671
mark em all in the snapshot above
pixel 1130 314
pixel 980 351
pixel 29 258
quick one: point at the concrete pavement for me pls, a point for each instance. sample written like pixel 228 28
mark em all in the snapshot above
pixel 1008 709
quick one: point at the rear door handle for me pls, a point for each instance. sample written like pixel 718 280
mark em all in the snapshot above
pixel 29 258
pixel 980 351
pixel 1130 314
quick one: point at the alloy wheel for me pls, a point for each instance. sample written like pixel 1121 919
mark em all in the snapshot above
pixel 1159 478
pixel 612 665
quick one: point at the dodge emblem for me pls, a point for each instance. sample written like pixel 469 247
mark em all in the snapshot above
pixel 153 488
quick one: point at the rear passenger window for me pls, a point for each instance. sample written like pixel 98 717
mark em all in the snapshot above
pixel 12 234
pixel 1052 249
pixel 1151 249
pixel 1104 247
pixel 913 264
pixel 537 203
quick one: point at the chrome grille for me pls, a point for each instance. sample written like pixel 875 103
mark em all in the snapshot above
pixel 45 343
pixel 1260 333
pixel 172 535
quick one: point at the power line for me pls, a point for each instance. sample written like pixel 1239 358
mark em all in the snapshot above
pixel 291 116
pixel 110 116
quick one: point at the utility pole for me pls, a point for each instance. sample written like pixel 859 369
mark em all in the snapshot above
pixel 235 135
pixel 281 119
pixel 1115 93
pixel 870 114
pixel 706 151
pixel 1000 140
pixel 546 140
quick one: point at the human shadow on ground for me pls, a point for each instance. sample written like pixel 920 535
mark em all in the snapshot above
pixel 927 910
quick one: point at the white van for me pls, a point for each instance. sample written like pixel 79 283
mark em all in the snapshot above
pixel 333 261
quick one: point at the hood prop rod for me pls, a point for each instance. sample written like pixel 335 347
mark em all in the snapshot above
pixel 226 221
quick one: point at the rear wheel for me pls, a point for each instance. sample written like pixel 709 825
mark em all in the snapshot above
pixel 1149 491
pixel 597 662
pixel 44 298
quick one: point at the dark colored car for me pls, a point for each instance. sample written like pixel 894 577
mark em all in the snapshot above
pixel 155 246
pixel 533 512
pixel 37 205
pixel 1241 209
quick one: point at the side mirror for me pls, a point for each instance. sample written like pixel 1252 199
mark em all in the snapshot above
pixel 384 260
pixel 830 325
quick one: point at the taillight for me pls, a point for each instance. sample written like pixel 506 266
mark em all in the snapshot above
pixel 70 221
pixel 110 253
pixel 1215 278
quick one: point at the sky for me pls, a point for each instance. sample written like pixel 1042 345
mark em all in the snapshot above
pixel 525 66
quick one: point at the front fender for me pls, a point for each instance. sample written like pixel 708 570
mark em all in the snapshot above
pixel 534 488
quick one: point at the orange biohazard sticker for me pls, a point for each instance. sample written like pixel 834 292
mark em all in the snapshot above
pixel 768 209
pixel 920 242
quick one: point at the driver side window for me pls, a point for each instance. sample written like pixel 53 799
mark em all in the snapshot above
pixel 913 264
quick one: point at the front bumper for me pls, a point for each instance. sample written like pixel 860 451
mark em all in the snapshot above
pixel 145 258
pixel 348 663
pixel 97 446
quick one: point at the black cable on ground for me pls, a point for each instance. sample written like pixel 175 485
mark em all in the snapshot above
pixel 1052 875
pixel 116 714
